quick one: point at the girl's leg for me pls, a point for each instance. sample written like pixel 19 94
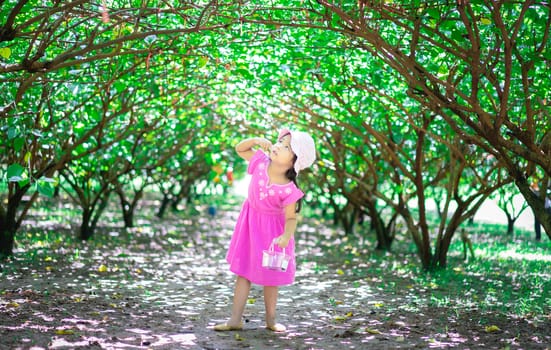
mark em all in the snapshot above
pixel 240 295
pixel 270 302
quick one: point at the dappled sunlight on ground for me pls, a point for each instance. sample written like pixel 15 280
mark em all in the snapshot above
pixel 165 284
pixel 524 256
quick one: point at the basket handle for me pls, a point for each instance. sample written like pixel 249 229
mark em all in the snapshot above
pixel 272 246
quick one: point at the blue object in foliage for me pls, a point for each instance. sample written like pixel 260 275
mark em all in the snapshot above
pixel 211 210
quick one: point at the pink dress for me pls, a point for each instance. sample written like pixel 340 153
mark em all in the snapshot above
pixel 262 218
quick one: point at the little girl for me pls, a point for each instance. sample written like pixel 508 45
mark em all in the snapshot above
pixel 268 214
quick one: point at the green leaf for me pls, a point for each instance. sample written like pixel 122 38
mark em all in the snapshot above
pixel 18 143
pixel 15 171
pixel 457 35
pixel 203 60
pixel 46 188
pixel 376 80
pixel 5 52
pixel 154 88
pixel 23 182
pixel 434 13
pixel 12 133
pixel 485 21
pixel 245 73
pixel 443 71
pixel 119 86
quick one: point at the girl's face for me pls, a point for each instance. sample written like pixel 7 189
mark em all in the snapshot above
pixel 281 151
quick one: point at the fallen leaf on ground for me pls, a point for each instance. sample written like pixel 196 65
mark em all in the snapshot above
pixel 492 328
pixel 372 331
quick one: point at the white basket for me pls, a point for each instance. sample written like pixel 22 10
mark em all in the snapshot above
pixel 275 260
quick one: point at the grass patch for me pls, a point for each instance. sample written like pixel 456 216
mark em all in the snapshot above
pixel 509 275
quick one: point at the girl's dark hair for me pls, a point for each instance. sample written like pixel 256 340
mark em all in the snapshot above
pixel 291 174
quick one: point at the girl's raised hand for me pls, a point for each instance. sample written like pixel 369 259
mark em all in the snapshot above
pixel 264 144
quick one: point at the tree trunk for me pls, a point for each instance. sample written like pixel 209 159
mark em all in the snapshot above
pixel 383 233
pixel 440 259
pixel 421 239
pixel 537 226
pixel 86 231
pixel 510 225
pixel 162 208
pixel 90 218
pixel 128 217
pixel 128 207
pixel 425 254
pixel 336 213
pixel 536 203
pixel 9 223
pixel 7 234
pixel 103 201
pixel 349 220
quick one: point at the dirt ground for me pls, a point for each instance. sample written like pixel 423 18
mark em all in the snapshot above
pixel 170 285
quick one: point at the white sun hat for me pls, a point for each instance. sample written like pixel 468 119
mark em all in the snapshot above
pixel 303 147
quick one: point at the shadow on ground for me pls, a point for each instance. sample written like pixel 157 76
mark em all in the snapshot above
pixel 164 285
